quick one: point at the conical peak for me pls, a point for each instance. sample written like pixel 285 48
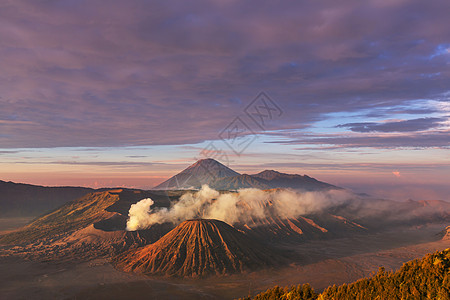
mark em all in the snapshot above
pixel 209 169
pixel 201 221
pixel 206 160
pixel 199 247
pixel 204 171
pixel 206 163
pixel 203 225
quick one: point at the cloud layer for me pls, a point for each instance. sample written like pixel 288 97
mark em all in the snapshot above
pixel 82 73
pixel 395 126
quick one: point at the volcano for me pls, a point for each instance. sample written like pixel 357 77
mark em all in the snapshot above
pixel 198 248
pixel 202 172
pixel 97 218
pixel 220 177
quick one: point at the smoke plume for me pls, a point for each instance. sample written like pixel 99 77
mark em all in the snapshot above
pixel 139 215
pixel 245 206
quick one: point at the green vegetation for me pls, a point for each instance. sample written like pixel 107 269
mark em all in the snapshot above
pixel 426 278
pixel 301 291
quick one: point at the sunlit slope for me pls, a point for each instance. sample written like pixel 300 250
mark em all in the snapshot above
pixel 199 248
pixel 105 210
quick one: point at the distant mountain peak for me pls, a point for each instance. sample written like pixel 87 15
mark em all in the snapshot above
pixel 218 176
pixel 206 160
pixel 208 165
pixel 201 172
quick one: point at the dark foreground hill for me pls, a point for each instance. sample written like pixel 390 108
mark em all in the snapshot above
pixel 19 200
pixel 426 278
pixel 198 248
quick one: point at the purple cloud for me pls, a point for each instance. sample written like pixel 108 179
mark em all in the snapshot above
pixel 440 139
pixel 82 73
pixel 395 126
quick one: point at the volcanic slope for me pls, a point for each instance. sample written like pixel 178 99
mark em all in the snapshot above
pixel 96 214
pixel 294 230
pixel 198 248
pixel 445 234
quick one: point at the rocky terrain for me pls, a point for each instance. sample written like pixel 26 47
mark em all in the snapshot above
pixel 296 230
pixel 320 262
pixel 198 248
pixel 90 227
pixel 94 227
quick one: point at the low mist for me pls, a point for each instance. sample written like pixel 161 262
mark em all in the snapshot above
pixel 243 206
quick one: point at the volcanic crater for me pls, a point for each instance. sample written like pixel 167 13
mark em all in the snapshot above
pixel 197 248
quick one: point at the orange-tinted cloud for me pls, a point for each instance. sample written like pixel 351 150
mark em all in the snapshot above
pixel 396 173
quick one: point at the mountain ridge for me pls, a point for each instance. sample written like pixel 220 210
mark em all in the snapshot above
pixel 21 199
pixel 277 179
pixel 220 177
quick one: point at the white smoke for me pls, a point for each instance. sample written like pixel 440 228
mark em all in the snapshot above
pixel 139 215
pixel 248 206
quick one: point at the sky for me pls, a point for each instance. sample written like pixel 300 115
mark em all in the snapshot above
pixel 128 93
